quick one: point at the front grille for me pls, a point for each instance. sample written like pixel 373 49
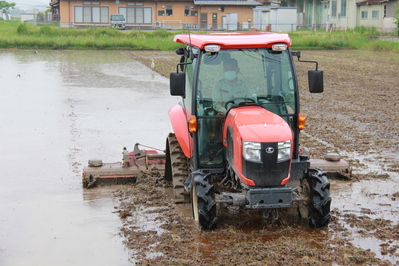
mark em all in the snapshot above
pixel 269 173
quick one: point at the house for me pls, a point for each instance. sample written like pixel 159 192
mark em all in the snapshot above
pixel 340 13
pixel 55 9
pixel 176 14
pixel 229 14
pixel 349 14
pixel 275 18
pixel 376 13
pixel 346 14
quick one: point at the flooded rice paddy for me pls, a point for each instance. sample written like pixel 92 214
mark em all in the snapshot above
pixel 58 109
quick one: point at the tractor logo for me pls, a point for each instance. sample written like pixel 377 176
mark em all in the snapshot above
pixel 269 150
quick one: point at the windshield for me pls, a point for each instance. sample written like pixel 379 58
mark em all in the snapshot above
pixel 117 18
pixel 262 75
pixel 257 76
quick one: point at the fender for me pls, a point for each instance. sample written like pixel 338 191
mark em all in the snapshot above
pixel 179 122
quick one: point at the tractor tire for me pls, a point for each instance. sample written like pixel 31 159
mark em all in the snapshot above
pixel 317 187
pixel 176 169
pixel 203 203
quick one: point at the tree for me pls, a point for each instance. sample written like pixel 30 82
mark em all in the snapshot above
pixel 396 15
pixel 5 6
pixel 40 16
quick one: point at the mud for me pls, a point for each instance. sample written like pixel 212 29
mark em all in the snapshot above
pixel 357 117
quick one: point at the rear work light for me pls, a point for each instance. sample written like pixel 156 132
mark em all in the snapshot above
pixel 213 48
pixel 279 47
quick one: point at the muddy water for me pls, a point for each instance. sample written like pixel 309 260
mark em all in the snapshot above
pixel 58 109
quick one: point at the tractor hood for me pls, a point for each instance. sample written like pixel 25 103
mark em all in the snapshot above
pixel 257 124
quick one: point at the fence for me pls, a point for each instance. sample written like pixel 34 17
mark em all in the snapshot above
pixel 209 26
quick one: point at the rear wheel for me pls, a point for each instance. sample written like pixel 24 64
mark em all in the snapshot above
pixel 317 188
pixel 203 203
pixel 176 168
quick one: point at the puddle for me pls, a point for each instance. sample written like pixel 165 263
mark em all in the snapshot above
pixel 374 197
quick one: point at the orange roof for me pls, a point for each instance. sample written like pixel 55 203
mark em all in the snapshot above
pixel 235 40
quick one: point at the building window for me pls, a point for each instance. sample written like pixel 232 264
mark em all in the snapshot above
pixel 169 11
pixel 364 14
pixel 186 10
pixel 374 14
pixel 222 9
pixel 139 15
pixel 343 8
pixel 89 14
pixel 91 3
pixel 161 12
pixel 385 10
pixel 333 8
pixel 194 13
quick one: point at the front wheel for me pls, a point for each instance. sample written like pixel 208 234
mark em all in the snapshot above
pixel 317 189
pixel 203 203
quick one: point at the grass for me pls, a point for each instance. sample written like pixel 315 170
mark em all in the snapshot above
pixel 19 35
pixel 26 36
pixel 358 38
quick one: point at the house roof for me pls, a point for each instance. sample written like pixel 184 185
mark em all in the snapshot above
pixel 371 2
pixel 227 2
pixel 54 3
pixel 234 40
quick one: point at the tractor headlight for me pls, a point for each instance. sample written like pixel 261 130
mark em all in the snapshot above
pixel 251 151
pixel 284 151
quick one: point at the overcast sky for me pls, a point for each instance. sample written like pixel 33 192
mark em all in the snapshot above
pixel 42 5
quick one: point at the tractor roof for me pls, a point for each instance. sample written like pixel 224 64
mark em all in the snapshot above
pixel 234 40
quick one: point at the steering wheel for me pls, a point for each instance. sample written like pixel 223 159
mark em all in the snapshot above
pixel 232 101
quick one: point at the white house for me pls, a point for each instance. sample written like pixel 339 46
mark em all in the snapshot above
pixel 376 13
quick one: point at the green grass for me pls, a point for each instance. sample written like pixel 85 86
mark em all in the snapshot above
pixel 358 38
pixel 19 35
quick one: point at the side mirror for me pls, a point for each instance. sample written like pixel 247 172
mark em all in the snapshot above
pixel 178 84
pixel 316 83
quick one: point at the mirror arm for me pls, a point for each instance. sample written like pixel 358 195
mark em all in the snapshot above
pixel 308 61
pixel 181 64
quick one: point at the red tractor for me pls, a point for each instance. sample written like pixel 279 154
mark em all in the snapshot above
pixel 236 130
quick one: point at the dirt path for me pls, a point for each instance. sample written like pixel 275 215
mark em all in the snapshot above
pixel 357 116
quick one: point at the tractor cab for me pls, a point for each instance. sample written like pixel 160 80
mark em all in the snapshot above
pixel 263 78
